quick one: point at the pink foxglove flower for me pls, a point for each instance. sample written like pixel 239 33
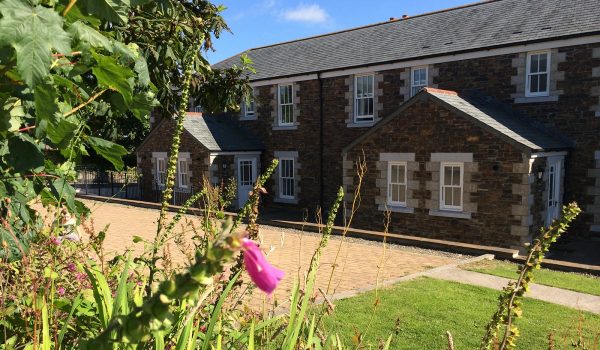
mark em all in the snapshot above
pixel 60 291
pixel 264 275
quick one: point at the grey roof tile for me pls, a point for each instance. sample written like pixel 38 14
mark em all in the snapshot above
pixel 472 27
pixel 220 134
pixel 503 121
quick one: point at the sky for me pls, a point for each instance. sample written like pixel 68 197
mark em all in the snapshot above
pixel 257 23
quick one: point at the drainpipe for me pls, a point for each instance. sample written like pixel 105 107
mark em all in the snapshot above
pixel 321 138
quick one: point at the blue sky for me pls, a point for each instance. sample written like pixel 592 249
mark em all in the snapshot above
pixel 263 22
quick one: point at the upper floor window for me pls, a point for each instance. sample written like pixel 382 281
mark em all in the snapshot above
pixel 287 188
pixel 363 98
pixel 418 79
pixel 537 82
pixel 161 170
pixel 182 173
pixel 249 107
pixel 396 195
pixel 451 186
pixel 286 105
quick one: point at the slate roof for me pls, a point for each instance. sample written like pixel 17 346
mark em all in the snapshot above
pixel 483 25
pixel 220 134
pixel 489 114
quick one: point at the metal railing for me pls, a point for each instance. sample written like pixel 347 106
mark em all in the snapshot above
pixel 107 183
pixel 180 194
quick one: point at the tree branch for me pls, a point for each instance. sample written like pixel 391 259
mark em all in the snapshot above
pixel 90 100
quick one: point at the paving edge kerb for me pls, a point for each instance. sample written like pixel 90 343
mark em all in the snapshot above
pixel 420 242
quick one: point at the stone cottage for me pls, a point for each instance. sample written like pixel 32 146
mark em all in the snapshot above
pixel 477 122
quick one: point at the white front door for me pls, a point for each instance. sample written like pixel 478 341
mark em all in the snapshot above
pixel 554 203
pixel 246 178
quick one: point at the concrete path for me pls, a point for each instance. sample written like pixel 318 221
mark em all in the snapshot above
pixel 575 300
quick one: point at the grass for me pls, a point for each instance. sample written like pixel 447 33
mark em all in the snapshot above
pixel 421 311
pixel 567 280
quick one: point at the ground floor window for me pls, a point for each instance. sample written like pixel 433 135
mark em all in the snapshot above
pixel 396 195
pixel 183 179
pixel 161 170
pixel 287 188
pixel 451 186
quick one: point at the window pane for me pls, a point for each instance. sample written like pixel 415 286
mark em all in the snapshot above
pixel 447 175
pixel 456 196
pixel 534 83
pixel 447 195
pixel 543 82
pixel 402 193
pixel 456 176
pixel 401 171
pixel 534 64
pixel 394 193
pixel 543 63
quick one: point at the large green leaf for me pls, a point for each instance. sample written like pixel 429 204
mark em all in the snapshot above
pixel 24 155
pixel 88 36
pixel 108 150
pixel 113 76
pixel 34 32
pixel 111 10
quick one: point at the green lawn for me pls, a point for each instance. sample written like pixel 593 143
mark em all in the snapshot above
pixel 425 309
pixel 566 280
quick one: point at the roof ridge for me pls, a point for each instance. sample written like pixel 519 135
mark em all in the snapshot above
pixel 482 2
pixel 440 91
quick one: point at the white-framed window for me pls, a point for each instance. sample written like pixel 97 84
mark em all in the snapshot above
pixel 286 104
pixel 537 82
pixel 249 107
pixel 418 79
pixel 363 98
pixel 161 170
pixel 451 186
pixel 396 194
pixel 287 186
pixel 183 179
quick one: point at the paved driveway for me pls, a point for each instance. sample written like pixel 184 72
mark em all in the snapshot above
pixel 359 263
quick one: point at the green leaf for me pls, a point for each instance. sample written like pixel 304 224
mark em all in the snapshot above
pixel 142 105
pixel 111 10
pixel 108 150
pixel 33 32
pixel 24 154
pixel 45 97
pixel 89 36
pixel 113 76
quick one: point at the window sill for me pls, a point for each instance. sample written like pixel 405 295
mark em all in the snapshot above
pixel 361 125
pixel 248 118
pixel 536 99
pixel 450 214
pixel 396 209
pixel 285 127
pixel 286 200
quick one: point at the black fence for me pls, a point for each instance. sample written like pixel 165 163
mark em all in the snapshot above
pixel 180 194
pixel 106 183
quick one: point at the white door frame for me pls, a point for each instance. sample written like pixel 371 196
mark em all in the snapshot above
pixel 243 191
pixel 554 188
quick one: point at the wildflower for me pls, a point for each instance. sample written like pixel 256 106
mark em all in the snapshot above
pixel 55 240
pixel 60 291
pixel 264 275
pixel 71 267
pixel 203 329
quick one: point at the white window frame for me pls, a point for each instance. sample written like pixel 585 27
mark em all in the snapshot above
pixel 390 202
pixel 367 118
pixel 158 171
pixel 528 74
pixel 246 112
pixel 281 105
pixel 413 84
pixel 183 174
pixel 443 206
pixel 282 177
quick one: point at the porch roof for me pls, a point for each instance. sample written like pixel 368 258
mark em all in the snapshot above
pixel 220 134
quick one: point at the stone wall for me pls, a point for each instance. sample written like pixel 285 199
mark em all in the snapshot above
pixel 494 197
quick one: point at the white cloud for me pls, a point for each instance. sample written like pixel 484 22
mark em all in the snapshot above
pixel 306 13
